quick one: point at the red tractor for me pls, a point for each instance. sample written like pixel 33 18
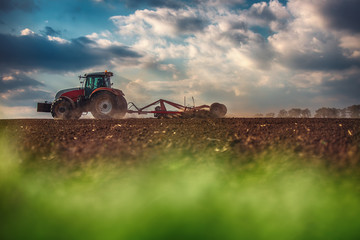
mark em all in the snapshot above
pixel 96 96
pixel 104 102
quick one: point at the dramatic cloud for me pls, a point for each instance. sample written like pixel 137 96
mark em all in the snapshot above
pixel 31 52
pixel 161 22
pixel 306 45
pixel 223 53
pixel 344 87
pixel 273 15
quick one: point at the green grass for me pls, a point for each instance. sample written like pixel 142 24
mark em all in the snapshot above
pixel 274 196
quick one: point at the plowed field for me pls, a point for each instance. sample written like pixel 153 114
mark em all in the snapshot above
pixel 180 178
pixel 335 141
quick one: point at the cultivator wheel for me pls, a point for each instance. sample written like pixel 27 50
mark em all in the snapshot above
pixel 218 110
pixel 106 105
pixel 64 110
pixel 158 115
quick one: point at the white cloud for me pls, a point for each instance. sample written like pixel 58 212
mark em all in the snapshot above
pixel 7 78
pixel 102 40
pixel 11 93
pixel 350 42
pixel 26 32
pixel 58 39
pixel 92 36
pixel 20 112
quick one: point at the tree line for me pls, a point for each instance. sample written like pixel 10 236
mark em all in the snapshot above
pixel 324 112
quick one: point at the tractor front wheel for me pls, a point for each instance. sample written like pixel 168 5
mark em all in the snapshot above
pixel 63 109
pixel 106 105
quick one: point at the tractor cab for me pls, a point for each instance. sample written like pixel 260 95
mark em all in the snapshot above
pixel 96 80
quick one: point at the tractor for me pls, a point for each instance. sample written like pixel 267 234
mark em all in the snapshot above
pixel 96 96
pixel 104 102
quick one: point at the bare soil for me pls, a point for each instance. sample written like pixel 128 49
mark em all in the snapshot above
pixel 334 141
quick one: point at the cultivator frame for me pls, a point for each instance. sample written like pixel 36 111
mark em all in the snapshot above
pixel 162 112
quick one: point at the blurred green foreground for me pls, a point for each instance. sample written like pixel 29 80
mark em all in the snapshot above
pixel 177 197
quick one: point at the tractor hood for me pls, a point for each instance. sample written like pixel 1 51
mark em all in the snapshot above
pixel 61 92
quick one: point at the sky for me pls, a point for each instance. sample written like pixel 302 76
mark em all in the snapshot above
pixel 253 56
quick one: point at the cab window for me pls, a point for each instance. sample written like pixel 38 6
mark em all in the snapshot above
pixel 95 82
pixel 107 82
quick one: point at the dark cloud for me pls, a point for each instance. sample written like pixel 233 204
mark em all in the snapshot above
pixel 24 5
pixel 122 51
pixel 82 41
pixel 343 14
pixel 239 25
pixel 237 38
pixel 320 61
pixel 346 89
pixel 17 89
pixel 191 24
pixel 325 55
pixel 27 53
pixel 49 31
pixel 262 52
pixel 15 81
pixel 237 34
pixel 25 97
pixel 262 12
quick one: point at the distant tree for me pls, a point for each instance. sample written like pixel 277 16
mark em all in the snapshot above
pixel 334 112
pixel 343 112
pixel 354 111
pixel 259 115
pixel 270 115
pixel 283 113
pixel 327 113
pixel 305 113
pixel 321 113
pixel 295 112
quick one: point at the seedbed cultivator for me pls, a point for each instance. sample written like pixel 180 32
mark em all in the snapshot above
pixel 104 102
pixel 216 110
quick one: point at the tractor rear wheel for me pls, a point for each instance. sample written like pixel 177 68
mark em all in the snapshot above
pixel 63 109
pixel 106 105
pixel 218 110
